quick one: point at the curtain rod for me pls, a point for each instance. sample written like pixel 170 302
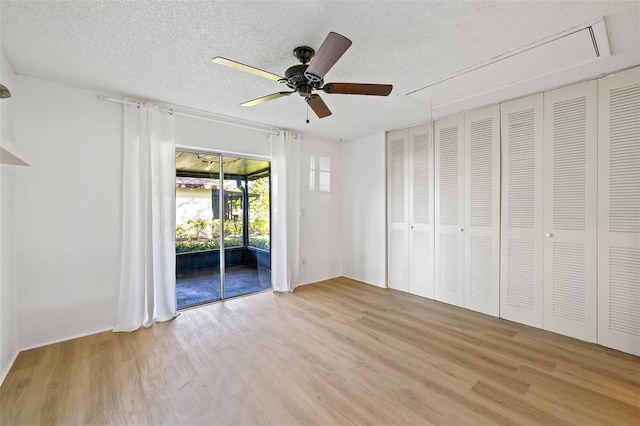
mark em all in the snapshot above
pixel 184 114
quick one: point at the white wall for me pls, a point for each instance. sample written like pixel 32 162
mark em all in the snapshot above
pixel 363 236
pixel 8 286
pixel 67 223
pixel 203 134
pixel 320 247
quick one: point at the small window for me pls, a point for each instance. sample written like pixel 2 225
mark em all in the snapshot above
pixel 312 173
pixel 325 175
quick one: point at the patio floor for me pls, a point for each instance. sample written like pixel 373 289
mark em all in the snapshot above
pixel 203 285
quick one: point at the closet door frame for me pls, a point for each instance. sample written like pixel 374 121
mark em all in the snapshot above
pixel 445 234
pixel 562 246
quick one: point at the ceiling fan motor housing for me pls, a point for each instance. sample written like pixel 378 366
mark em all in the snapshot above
pixel 295 79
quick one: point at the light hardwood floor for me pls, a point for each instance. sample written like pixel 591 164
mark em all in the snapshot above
pixel 335 352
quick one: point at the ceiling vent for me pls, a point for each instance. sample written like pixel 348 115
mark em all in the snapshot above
pixel 557 53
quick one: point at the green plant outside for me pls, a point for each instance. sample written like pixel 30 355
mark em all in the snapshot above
pixel 261 243
pixel 189 246
pixel 182 232
pixel 198 226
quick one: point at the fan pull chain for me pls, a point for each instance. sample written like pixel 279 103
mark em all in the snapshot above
pixel 307 113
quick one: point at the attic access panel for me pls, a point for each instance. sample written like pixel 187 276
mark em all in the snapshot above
pixel 208 165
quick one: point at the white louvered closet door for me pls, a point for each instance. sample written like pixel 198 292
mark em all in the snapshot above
pixel 449 197
pixel 421 210
pixel 521 263
pixel 397 202
pixel 482 211
pixel 619 211
pixel 570 211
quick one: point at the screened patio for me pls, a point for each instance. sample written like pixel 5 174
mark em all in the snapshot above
pixel 222 227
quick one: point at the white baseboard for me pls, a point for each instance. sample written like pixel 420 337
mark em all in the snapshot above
pixel 64 339
pixel 3 374
pixel 365 282
pixel 315 281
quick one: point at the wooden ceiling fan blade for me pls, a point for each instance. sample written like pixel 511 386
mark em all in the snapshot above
pixel 358 89
pixel 246 68
pixel 266 98
pixel 318 106
pixel 332 48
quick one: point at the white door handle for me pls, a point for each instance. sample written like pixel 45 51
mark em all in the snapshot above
pixel 548 235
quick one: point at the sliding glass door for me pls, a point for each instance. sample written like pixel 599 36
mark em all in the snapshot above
pixel 247 261
pixel 198 272
pixel 222 227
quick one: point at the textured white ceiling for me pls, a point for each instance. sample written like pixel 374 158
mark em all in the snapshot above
pixel 162 51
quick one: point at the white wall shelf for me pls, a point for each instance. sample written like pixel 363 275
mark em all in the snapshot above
pixel 9 154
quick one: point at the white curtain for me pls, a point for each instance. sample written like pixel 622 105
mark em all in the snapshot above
pixel 147 280
pixel 285 210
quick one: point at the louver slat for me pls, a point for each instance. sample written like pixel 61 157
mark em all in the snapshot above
pixel 624 159
pixel 520 276
pixel 569 168
pixel 448 263
pixel 481 276
pixel 569 282
pixel 397 259
pixel 397 172
pixel 449 146
pixel 624 291
pixel 421 181
pixel 481 213
pixel 521 143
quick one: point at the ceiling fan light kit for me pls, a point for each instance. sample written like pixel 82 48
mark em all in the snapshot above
pixel 308 76
pixel 4 92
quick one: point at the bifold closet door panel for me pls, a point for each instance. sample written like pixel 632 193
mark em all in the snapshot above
pixel 397 212
pixel 421 189
pixel 482 211
pixel 619 211
pixel 449 214
pixel 570 210
pixel 521 257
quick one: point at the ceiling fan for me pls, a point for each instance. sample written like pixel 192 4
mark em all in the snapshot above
pixel 308 76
